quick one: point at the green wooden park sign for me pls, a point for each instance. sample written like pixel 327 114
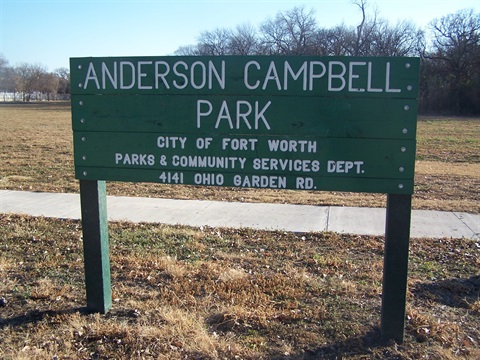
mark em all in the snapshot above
pixel 304 123
pixel 343 124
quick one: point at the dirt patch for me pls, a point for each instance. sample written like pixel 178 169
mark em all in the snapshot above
pixel 470 170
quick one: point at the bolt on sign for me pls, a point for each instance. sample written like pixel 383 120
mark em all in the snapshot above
pixel 306 123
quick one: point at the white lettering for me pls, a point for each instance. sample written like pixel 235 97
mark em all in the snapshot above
pixel 286 164
pixel 177 84
pixel 288 70
pixel 354 76
pixel 387 81
pixel 239 144
pixel 211 162
pixel 259 115
pixel 203 75
pixel 208 179
pixel 213 71
pixel 124 86
pixel 272 75
pixel 340 76
pixel 201 114
pixel 369 80
pixel 292 145
pixel 224 114
pixel 142 75
pixel 344 167
pixel 313 75
pixel 203 143
pixel 242 111
pixel 161 75
pixel 106 72
pixel 91 75
pixel 304 183
pixel 260 181
pixel 243 115
pixel 135 159
pixel 245 75
pixel 171 142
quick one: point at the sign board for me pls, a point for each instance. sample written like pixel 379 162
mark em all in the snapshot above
pixel 307 123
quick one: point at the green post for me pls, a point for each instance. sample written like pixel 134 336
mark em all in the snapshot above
pixel 93 201
pixel 395 267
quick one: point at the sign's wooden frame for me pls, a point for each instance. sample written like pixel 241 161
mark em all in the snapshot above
pixel 340 107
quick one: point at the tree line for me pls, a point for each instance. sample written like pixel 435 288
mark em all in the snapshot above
pixel 449 49
pixel 26 82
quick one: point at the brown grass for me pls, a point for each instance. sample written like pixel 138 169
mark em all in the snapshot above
pixel 190 293
pixel 37 155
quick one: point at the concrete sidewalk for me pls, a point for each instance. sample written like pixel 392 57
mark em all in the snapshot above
pixel 297 218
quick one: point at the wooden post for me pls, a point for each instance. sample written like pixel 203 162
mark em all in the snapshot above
pixel 395 266
pixel 93 201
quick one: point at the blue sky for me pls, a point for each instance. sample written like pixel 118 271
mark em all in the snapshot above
pixel 49 32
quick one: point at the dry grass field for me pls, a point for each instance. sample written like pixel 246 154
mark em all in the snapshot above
pixel 204 293
pixel 37 155
pixel 208 293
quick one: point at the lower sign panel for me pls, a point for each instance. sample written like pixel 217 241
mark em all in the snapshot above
pixel 273 162
pixel 312 183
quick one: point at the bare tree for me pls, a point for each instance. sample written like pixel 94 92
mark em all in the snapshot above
pixel 3 62
pixel 450 71
pixel 360 28
pixel 335 41
pixel 290 33
pixel 23 80
pixel 188 50
pixel 457 40
pixel 48 85
pixel 63 75
pixel 455 58
pixel 3 75
pixel 7 81
pixel 365 31
pixel 244 41
pixel 29 78
pixel 404 39
pixel 215 42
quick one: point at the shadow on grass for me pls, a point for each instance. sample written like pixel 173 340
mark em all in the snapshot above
pixel 362 346
pixel 36 316
pixel 457 293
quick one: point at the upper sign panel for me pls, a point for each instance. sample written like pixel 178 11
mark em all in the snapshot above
pixel 248 75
